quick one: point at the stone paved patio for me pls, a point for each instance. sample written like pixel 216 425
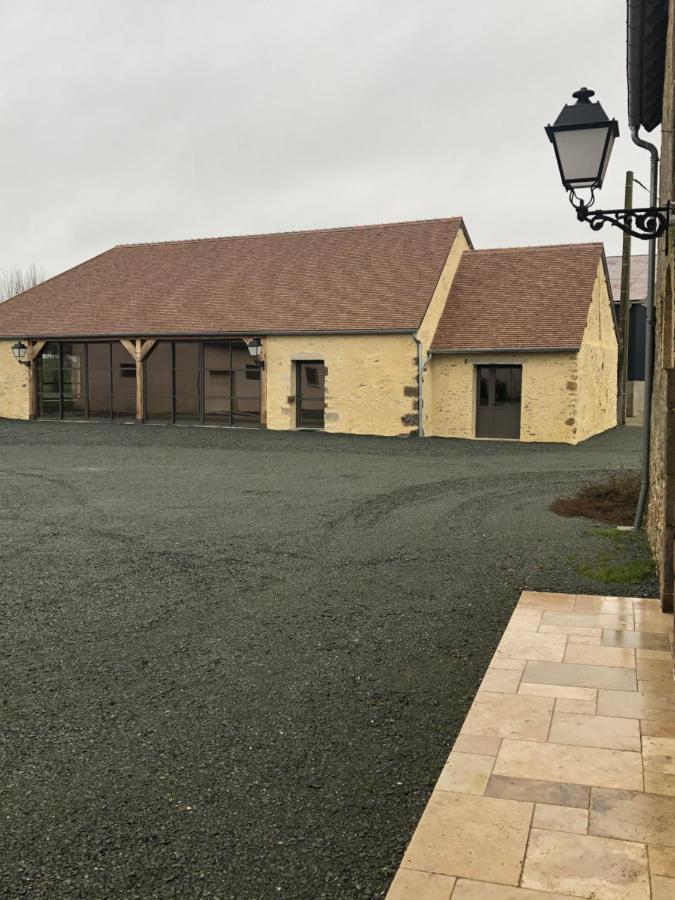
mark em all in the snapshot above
pixel 562 780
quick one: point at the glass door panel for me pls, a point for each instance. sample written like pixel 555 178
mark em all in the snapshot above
pixel 311 394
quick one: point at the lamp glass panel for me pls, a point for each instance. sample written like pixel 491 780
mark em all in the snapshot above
pixel 581 155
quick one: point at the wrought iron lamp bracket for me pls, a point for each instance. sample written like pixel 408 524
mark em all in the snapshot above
pixel 646 223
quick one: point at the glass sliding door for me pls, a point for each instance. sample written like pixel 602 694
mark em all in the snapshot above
pixel 49 382
pixel 99 390
pixel 187 382
pixel 159 383
pixel 245 386
pixel 123 384
pixel 217 383
pixel 73 386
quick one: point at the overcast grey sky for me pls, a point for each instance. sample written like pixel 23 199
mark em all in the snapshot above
pixel 139 121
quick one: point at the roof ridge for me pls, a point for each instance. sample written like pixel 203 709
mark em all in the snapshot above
pixel 238 237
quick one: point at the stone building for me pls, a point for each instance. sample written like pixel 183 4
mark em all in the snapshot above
pixel 389 330
pixel 651 101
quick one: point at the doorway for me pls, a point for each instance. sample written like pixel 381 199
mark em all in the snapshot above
pixel 310 381
pixel 498 407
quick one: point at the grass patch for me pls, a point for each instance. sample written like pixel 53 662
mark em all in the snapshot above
pixel 613 500
pixel 625 560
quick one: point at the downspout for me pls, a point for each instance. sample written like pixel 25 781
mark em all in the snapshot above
pixel 649 331
pixel 420 386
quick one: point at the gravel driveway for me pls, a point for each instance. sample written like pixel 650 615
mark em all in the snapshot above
pixel 233 662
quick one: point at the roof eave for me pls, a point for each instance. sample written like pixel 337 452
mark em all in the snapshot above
pixel 460 352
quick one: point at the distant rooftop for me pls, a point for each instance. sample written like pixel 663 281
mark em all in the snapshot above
pixel 638 277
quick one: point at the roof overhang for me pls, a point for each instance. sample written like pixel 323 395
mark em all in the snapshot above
pixel 646 57
pixel 203 335
pixel 492 350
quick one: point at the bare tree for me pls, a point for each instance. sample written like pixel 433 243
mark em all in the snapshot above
pixel 15 280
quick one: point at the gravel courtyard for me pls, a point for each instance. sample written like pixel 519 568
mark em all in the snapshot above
pixel 233 662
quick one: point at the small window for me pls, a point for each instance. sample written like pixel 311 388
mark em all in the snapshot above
pixel 312 376
pixel 127 370
pixel 252 373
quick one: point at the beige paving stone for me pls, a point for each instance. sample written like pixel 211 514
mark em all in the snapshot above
pixel 606 605
pixel 575 675
pixel 465 772
pixel 653 621
pixel 533 645
pixel 652 728
pixel 571 630
pixel 636 705
pixel 595 731
pixel 662 860
pixel 503 662
pixel 586 866
pixel 655 686
pixel 560 818
pixel 411 885
pixel 647 640
pixel 653 654
pixel 660 784
pixel 601 656
pixel 542 600
pixel 656 668
pixel 525 620
pixel 500 681
pixel 474 837
pixel 483 890
pixel 529 789
pixel 579 707
pixel 575 765
pixel 509 715
pixel 663 888
pixel 588 620
pixel 659 755
pixel 562 691
pixel 587 640
pixel 632 816
pixel 471 743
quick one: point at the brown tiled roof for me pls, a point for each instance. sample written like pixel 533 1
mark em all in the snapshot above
pixel 520 298
pixel 378 277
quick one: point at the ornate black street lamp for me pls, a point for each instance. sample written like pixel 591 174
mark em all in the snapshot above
pixel 255 349
pixel 582 137
pixel 19 351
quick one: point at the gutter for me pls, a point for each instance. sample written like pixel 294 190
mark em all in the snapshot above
pixel 649 331
pixel 199 335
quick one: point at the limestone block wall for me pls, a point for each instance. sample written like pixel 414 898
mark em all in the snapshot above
pixel 14 385
pixel 371 381
pixel 597 366
pixel 549 394
pixel 427 329
pixel 661 510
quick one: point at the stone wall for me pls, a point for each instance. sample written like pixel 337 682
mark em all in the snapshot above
pixel 548 405
pixel 14 385
pixel 371 381
pixel 597 365
pixel 661 513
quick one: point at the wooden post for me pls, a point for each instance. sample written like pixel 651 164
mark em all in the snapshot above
pixel 139 349
pixel 34 350
pixel 624 312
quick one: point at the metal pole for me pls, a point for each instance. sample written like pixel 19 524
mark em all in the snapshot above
pixel 649 331
pixel 624 310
